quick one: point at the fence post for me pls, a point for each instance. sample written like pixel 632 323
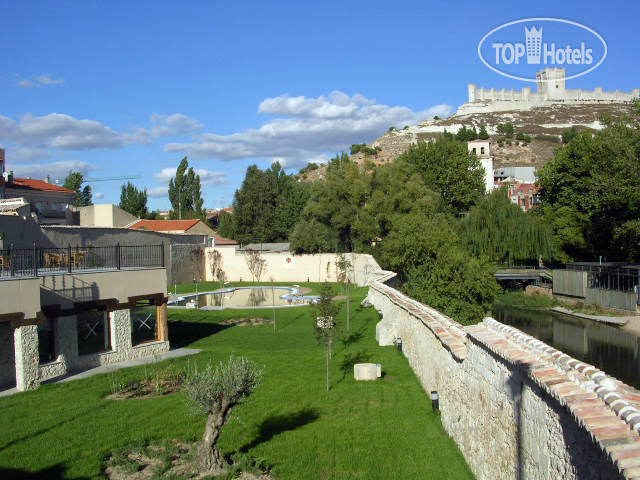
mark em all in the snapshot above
pixel 118 255
pixel 35 260
pixel 12 260
pixel 69 267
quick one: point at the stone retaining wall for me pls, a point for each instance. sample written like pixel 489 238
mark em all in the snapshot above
pixel 516 407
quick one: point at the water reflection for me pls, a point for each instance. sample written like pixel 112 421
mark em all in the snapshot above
pixel 609 348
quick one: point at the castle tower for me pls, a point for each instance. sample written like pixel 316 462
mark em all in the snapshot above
pixel 552 83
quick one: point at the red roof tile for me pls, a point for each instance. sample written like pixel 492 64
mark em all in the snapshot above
pixel 224 241
pixel 165 225
pixel 30 184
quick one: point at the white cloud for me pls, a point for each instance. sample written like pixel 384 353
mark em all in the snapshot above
pixel 158 192
pixel 98 195
pixel 26 155
pixel 174 124
pixel 66 132
pixel 37 81
pixel 207 177
pixel 310 127
pixel 56 170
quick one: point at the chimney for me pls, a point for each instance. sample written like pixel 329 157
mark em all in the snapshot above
pixel 47 179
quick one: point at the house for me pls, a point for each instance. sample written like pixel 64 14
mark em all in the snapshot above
pixel 524 195
pixel 105 215
pixel 66 309
pixel 213 215
pixel 219 241
pixel 174 226
pixel 51 203
pixel 515 174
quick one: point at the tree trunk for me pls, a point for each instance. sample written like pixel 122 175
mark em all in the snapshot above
pixel 327 367
pixel 211 459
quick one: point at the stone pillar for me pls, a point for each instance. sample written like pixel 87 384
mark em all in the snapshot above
pixel 161 319
pixel 27 357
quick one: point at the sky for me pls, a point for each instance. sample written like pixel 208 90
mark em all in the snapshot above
pixel 124 88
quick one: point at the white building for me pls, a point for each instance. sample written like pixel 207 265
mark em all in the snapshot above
pixel 482 149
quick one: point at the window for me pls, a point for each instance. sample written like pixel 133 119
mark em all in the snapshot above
pixel 47 341
pixel 144 325
pixel 482 150
pixel 93 332
pixel 474 149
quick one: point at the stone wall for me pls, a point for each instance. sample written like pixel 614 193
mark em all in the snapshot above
pixel 516 407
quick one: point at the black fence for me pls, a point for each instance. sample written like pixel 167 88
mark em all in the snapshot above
pixel 31 262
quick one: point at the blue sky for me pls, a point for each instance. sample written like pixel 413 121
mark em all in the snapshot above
pixel 128 88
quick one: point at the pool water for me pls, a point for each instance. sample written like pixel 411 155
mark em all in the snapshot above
pixel 247 297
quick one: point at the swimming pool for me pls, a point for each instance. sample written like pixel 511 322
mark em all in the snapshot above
pixel 245 297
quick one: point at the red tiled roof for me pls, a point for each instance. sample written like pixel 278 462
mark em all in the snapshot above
pixel 30 184
pixel 224 241
pixel 165 225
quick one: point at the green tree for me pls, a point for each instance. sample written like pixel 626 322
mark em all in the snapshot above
pixel 483 134
pixel 184 193
pixel 74 181
pixel 325 326
pixel 216 391
pixel 133 200
pixel 497 229
pixel 449 169
pixel 591 194
pixel 506 130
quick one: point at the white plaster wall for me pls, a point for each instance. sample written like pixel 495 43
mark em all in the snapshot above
pixel 298 268
pixel 506 427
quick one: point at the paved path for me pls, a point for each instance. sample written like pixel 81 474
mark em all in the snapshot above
pixel 177 353
pixel 611 320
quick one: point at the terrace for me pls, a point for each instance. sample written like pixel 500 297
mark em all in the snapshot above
pixel 69 309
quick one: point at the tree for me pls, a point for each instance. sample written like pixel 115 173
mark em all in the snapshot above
pixel 267 205
pixel 256 264
pixel 447 167
pixel 325 326
pixel 591 194
pixel 184 193
pixel 134 201
pixel 497 229
pixel 483 134
pixel 506 130
pixel 216 391
pixel 343 269
pixel 74 181
pixel 215 267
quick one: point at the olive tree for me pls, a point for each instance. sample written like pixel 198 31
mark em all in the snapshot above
pixel 215 391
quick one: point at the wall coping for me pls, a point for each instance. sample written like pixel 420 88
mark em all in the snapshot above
pixel 606 408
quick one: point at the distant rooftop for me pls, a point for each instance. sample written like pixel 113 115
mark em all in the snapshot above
pixel 165 225
pixel 41 185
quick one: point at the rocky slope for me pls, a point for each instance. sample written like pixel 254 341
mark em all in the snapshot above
pixel 544 124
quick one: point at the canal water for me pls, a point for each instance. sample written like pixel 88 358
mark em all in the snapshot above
pixel 609 348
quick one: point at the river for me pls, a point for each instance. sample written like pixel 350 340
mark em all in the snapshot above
pixel 607 347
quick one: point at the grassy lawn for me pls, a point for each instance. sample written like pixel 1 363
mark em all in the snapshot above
pixel 358 430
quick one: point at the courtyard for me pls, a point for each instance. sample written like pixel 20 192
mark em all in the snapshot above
pixel 368 430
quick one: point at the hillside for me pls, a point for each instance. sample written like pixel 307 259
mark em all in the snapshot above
pixel 544 124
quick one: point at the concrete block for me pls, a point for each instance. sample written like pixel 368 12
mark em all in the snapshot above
pixel 365 371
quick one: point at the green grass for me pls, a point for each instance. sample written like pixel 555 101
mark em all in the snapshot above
pixel 358 430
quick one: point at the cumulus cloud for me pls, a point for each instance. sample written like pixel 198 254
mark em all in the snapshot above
pixel 207 177
pixel 174 124
pixel 37 81
pixel 56 170
pixel 98 195
pixel 306 128
pixel 65 132
pixel 27 155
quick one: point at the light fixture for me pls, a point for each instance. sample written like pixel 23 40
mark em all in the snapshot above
pixel 435 401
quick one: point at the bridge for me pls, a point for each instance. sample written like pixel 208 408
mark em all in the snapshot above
pixel 524 273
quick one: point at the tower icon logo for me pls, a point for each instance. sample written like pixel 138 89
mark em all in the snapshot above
pixel 533 39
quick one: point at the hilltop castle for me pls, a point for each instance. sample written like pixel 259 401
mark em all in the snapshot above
pixel 551 90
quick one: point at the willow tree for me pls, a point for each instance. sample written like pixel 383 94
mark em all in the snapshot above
pixel 500 231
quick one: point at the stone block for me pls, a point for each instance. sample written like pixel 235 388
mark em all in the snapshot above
pixel 365 371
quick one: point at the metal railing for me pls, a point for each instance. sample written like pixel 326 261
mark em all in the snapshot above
pixel 38 261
